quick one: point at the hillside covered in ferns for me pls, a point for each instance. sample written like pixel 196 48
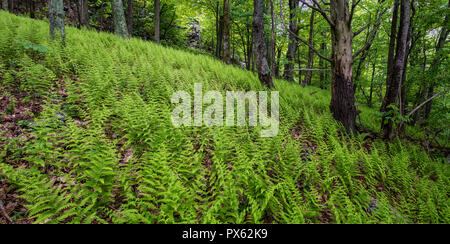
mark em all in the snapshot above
pixel 86 134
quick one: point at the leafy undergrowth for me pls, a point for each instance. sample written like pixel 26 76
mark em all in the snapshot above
pixel 101 148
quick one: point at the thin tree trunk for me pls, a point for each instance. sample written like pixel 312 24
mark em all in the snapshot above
pixel 219 30
pixel 277 64
pixel 292 47
pixel 322 64
pixel 441 42
pixel 299 62
pixel 394 88
pixel 249 48
pixel 403 96
pixel 226 32
pixel 393 39
pixel 262 65
pixel 273 37
pixel 120 25
pixel 308 76
pixel 56 19
pixel 371 85
pixel 157 21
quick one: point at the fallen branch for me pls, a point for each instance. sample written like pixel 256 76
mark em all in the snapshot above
pixel 2 208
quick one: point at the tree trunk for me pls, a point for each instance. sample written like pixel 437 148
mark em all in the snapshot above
pixel 308 76
pixel 130 16
pixel 299 62
pixel 277 64
pixel 56 19
pixel 394 88
pixel 393 39
pixel 219 30
pixel 342 104
pixel 84 12
pixel 292 47
pixel 157 21
pixel 262 65
pixel 120 25
pixel 249 48
pixel 5 5
pixel 403 96
pixel 226 32
pixel 273 38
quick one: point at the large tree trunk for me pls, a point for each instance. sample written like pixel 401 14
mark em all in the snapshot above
pixel 342 95
pixel 56 19
pixel 292 47
pixel 308 76
pixel 262 65
pixel 226 32
pixel 277 63
pixel 157 21
pixel 120 25
pixel 394 88
pixel 130 16
pixel 84 12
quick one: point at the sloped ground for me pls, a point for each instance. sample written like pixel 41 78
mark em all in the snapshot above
pixel 100 147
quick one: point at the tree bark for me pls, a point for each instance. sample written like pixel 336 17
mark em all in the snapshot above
pixel 273 38
pixel 56 19
pixel 157 21
pixel 308 76
pixel 394 88
pixel 226 32
pixel 322 64
pixel 292 47
pixel 441 42
pixel 120 25
pixel 393 39
pixel 342 103
pixel 277 64
pixel 219 30
pixel 84 12
pixel 264 72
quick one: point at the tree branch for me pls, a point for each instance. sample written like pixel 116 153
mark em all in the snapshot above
pixel 372 35
pixel 319 9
